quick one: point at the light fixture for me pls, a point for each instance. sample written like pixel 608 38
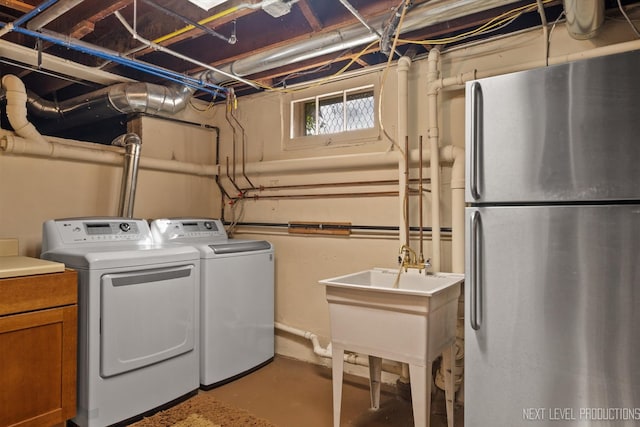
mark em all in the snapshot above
pixel 207 4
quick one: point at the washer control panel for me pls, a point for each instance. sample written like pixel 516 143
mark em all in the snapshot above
pixel 96 230
pixel 164 230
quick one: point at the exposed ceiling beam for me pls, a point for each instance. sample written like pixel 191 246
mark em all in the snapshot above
pixel 17 5
pixel 90 11
pixel 310 15
pixel 83 28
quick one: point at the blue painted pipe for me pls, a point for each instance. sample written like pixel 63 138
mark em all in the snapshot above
pixel 35 11
pixel 132 63
pixel 199 84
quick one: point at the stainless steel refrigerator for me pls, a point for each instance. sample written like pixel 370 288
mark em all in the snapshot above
pixel 552 292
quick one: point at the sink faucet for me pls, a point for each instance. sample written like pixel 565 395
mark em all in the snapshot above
pixel 408 259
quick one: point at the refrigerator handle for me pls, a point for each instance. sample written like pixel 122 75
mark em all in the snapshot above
pixel 475 287
pixel 476 135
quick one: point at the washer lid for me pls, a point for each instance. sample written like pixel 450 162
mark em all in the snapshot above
pixel 240 246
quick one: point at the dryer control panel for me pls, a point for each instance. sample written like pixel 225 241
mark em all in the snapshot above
pixel 165 230
pixel 94 230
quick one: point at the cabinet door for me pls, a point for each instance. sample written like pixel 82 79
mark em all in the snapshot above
pixel 38 367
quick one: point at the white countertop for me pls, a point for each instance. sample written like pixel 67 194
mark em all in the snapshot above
pixel 14 266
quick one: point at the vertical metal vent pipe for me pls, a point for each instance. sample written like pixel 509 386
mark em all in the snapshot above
pixel 584 17
pixel 132 144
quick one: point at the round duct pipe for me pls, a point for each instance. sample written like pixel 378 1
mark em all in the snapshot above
pixel 419 16
pixel 118 99
pixel 584 17
pixel 132 144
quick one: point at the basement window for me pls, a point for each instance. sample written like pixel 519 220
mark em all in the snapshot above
pixel 333 118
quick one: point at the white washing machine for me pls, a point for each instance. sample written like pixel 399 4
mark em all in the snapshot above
pixel 138 345
pixel 237 297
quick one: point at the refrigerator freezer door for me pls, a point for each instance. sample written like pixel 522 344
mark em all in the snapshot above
pixel 554 335
pixel 563 133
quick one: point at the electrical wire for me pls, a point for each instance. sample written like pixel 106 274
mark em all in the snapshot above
pixel 169 12
pixel 201 110
pixel 495 24
pixel 201 22
pixel 558 19
pixel 633 27
pixel 491 25
pixel 236 216
pixel 384 77
pixel 545 31
pixel 322 81
pixel 283 81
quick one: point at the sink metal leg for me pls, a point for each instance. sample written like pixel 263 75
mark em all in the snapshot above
pixel 421 394
pixel 337 367
pixel 375 372
pixel 449 366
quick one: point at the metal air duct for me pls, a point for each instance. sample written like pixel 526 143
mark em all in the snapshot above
pixel 121 98
pixel 584 17
pixel 420 16
pixel 132 144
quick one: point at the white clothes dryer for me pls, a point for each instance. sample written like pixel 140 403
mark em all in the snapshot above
pixel 237 297
pixel 138 302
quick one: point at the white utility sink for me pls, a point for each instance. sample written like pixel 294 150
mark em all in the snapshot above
pixel 414 323
pixel 410 282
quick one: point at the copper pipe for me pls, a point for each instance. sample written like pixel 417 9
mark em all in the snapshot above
pixel 406 197
pixel 232 181
pixel 244 145
pixel 233 141
pixel 328 195
pixel 420 197
pixel 326 184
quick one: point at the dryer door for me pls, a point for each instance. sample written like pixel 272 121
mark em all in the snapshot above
pixel 146 316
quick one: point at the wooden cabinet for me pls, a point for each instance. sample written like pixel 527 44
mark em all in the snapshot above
pixel 38 347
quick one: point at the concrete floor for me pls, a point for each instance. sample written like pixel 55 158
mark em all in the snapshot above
pixel 291 393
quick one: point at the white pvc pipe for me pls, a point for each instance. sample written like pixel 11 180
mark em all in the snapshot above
pixel 96 153
pixel 379 160
pixel 17 108
pixel 457 81
pixel 455 155
pixel 352 358
pixel 317 348
pixel 434 162
pixel 59 65
pixel 404 63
